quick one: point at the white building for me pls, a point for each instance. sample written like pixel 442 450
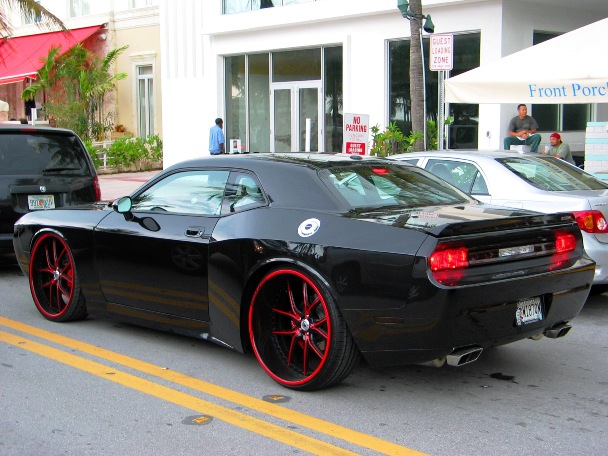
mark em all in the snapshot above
pixel 267 65
pixel 112 24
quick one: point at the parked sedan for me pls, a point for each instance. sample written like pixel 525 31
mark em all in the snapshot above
pixel 529 181
pixel 311 261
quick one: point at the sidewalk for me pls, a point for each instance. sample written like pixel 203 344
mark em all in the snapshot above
pixel 121 184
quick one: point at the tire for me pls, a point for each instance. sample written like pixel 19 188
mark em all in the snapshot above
pixel 598 289
pixel 297 332
pixel 53 280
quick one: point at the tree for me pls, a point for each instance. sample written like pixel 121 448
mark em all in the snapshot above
pixel 75 85
pixel 416 76
pixel 29 10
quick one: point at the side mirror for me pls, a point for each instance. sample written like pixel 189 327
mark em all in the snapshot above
pixel 123 206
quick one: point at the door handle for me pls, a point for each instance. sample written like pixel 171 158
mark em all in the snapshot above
pixel 195 231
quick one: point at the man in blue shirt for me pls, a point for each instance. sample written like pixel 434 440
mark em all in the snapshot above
pixel 216 138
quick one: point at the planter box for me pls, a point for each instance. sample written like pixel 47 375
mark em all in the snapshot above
pixel 120 134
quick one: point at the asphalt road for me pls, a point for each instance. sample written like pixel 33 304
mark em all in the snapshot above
pixel 101 387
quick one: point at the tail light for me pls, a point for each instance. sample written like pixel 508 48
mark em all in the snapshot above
pixel 452 264
pixel 564 243
pixel 97 189
pixel 591 221
pixel 449 259
pixel 448 264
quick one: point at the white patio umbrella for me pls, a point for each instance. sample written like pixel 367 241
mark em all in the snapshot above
pixel 570 68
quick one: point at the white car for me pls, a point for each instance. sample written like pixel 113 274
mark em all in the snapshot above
pixel 529 181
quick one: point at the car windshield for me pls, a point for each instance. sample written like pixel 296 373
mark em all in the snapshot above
pixel 41 153
pixel 552 174
pixel 372 185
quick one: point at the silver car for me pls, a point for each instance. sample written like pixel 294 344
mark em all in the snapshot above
pixel 529 181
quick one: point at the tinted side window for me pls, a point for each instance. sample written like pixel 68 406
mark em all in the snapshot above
pixel 380 186
pixel 39 153
pixel 190 192
pixel 244 192
pixel 463 175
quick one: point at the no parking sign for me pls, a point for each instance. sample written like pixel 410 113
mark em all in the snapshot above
pixel 356 133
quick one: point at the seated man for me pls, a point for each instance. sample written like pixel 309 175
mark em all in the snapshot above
pixel 522 130
pixel 560 149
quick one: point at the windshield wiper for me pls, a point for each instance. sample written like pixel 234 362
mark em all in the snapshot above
pixel 54 170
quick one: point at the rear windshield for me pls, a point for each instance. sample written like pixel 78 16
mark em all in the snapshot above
pixel 41 153
pixel 552 174
pixel 373 185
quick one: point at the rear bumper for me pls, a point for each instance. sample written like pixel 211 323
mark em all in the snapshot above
pixel 438 320
pixel 599 253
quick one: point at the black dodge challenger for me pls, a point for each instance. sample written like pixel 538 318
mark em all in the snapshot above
pixel 311 261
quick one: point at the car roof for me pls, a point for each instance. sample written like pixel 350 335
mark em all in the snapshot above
pixel 464 153
pixel 26 128
pixel 312 160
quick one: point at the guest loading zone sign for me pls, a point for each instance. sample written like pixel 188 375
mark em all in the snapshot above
pixel 356 133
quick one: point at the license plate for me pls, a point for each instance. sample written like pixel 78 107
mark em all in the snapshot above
pixel 41 202
pixel 529 311
pixel 521 250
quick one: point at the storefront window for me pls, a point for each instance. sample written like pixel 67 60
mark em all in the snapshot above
pixel 296 77
pixel 259 103
pixel 298 65
pixel 463 131
pixel 235 122
pixel 333 99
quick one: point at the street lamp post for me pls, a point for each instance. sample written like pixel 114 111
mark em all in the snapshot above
pixel 429 27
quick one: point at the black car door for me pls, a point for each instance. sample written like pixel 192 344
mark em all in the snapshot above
pixel 155 258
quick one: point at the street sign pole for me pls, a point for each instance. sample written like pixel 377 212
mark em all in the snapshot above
pixel 440 111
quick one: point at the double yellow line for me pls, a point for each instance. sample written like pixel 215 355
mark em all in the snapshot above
pixel 241 420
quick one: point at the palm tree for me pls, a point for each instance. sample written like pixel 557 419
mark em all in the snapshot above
pixel 416 74
pixel 29 10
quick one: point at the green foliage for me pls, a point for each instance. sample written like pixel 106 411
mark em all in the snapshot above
pixel 92 150
pixel 154 145
pixel 432 133
pixel 71 115
pixel 392 141
pixel 75 85
pixel 126 152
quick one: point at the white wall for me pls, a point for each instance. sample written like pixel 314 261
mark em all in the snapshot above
pixel 195 37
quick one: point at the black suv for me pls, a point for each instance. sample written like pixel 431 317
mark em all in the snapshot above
pixel 41 168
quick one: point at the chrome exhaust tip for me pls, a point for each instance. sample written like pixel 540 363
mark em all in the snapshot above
pixel 558 331
pixel 462 356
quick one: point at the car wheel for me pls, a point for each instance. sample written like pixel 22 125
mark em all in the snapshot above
pixel 598 289
pixel 297 332
pixel 53 280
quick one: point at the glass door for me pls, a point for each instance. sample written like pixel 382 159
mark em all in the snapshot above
pixel 297 117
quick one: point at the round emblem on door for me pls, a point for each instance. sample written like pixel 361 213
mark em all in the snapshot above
pixel 42 189
pixel 309 227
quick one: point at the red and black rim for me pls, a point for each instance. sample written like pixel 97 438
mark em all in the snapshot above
pixel 52 275
pixel 290 327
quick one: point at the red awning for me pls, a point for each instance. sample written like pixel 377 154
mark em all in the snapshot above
pixel 21 56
